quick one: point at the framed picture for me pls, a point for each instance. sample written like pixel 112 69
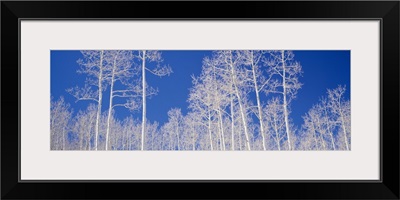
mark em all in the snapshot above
pixel 262 98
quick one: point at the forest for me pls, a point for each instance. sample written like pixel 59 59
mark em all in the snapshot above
pixel 241 101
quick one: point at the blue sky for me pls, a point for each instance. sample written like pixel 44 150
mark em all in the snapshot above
pixel 322 70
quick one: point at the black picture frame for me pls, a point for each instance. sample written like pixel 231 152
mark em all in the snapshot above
pixel 386 11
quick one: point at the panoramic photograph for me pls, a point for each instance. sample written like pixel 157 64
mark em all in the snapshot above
pixel 200 100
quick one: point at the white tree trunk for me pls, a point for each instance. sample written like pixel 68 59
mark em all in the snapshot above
pixel 177 135
pixel 99 99
pixel 111 102
pixel 232 123
pixel 329 130
pixel 170 141
pixel 127 140
pixel 88 139
pixel 222 130
pixel 285 104
pixel 88 135
pixel 260 116
pixel 278 144
pixel 193 141
pixel 332 140
pixel 315 135
pixel 323 142
pixel 162 141
pixel 126 143
pixel 219 136
pixel 344 130
pixel 240 141
pixel 130 142
pixel 63 140
pixel 209 129
pixel 143 97
pixel 152 140
pixel 81 140
pixel 242 112
pixel 321 136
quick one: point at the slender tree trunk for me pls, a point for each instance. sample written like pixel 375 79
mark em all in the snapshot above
pixel 209 129
pixel 344 130
pixel 232 123
pixel 193 140
pixel 127 140
pixel 323 142
pixel 277 134
pixel 222 130
pixel 115 145
pixel 53 136
pixel 111 101
pixel 63 140
pixel 152 140
pixel 123 143
pixel 315 135
pixel 332 140
pixel 124 140
pixel 219 141
pixel 329 129
pixel 260 116
pixel 177 135
pixel 321 135
pixel 285 103
pixel 240 141
pixel 130 141
pixel 90 130
pixel 143 96
pixel 169 142
pixel 100 99
pixel 88 139
pixel 162 141
pixel 81 140
pixel 242 112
